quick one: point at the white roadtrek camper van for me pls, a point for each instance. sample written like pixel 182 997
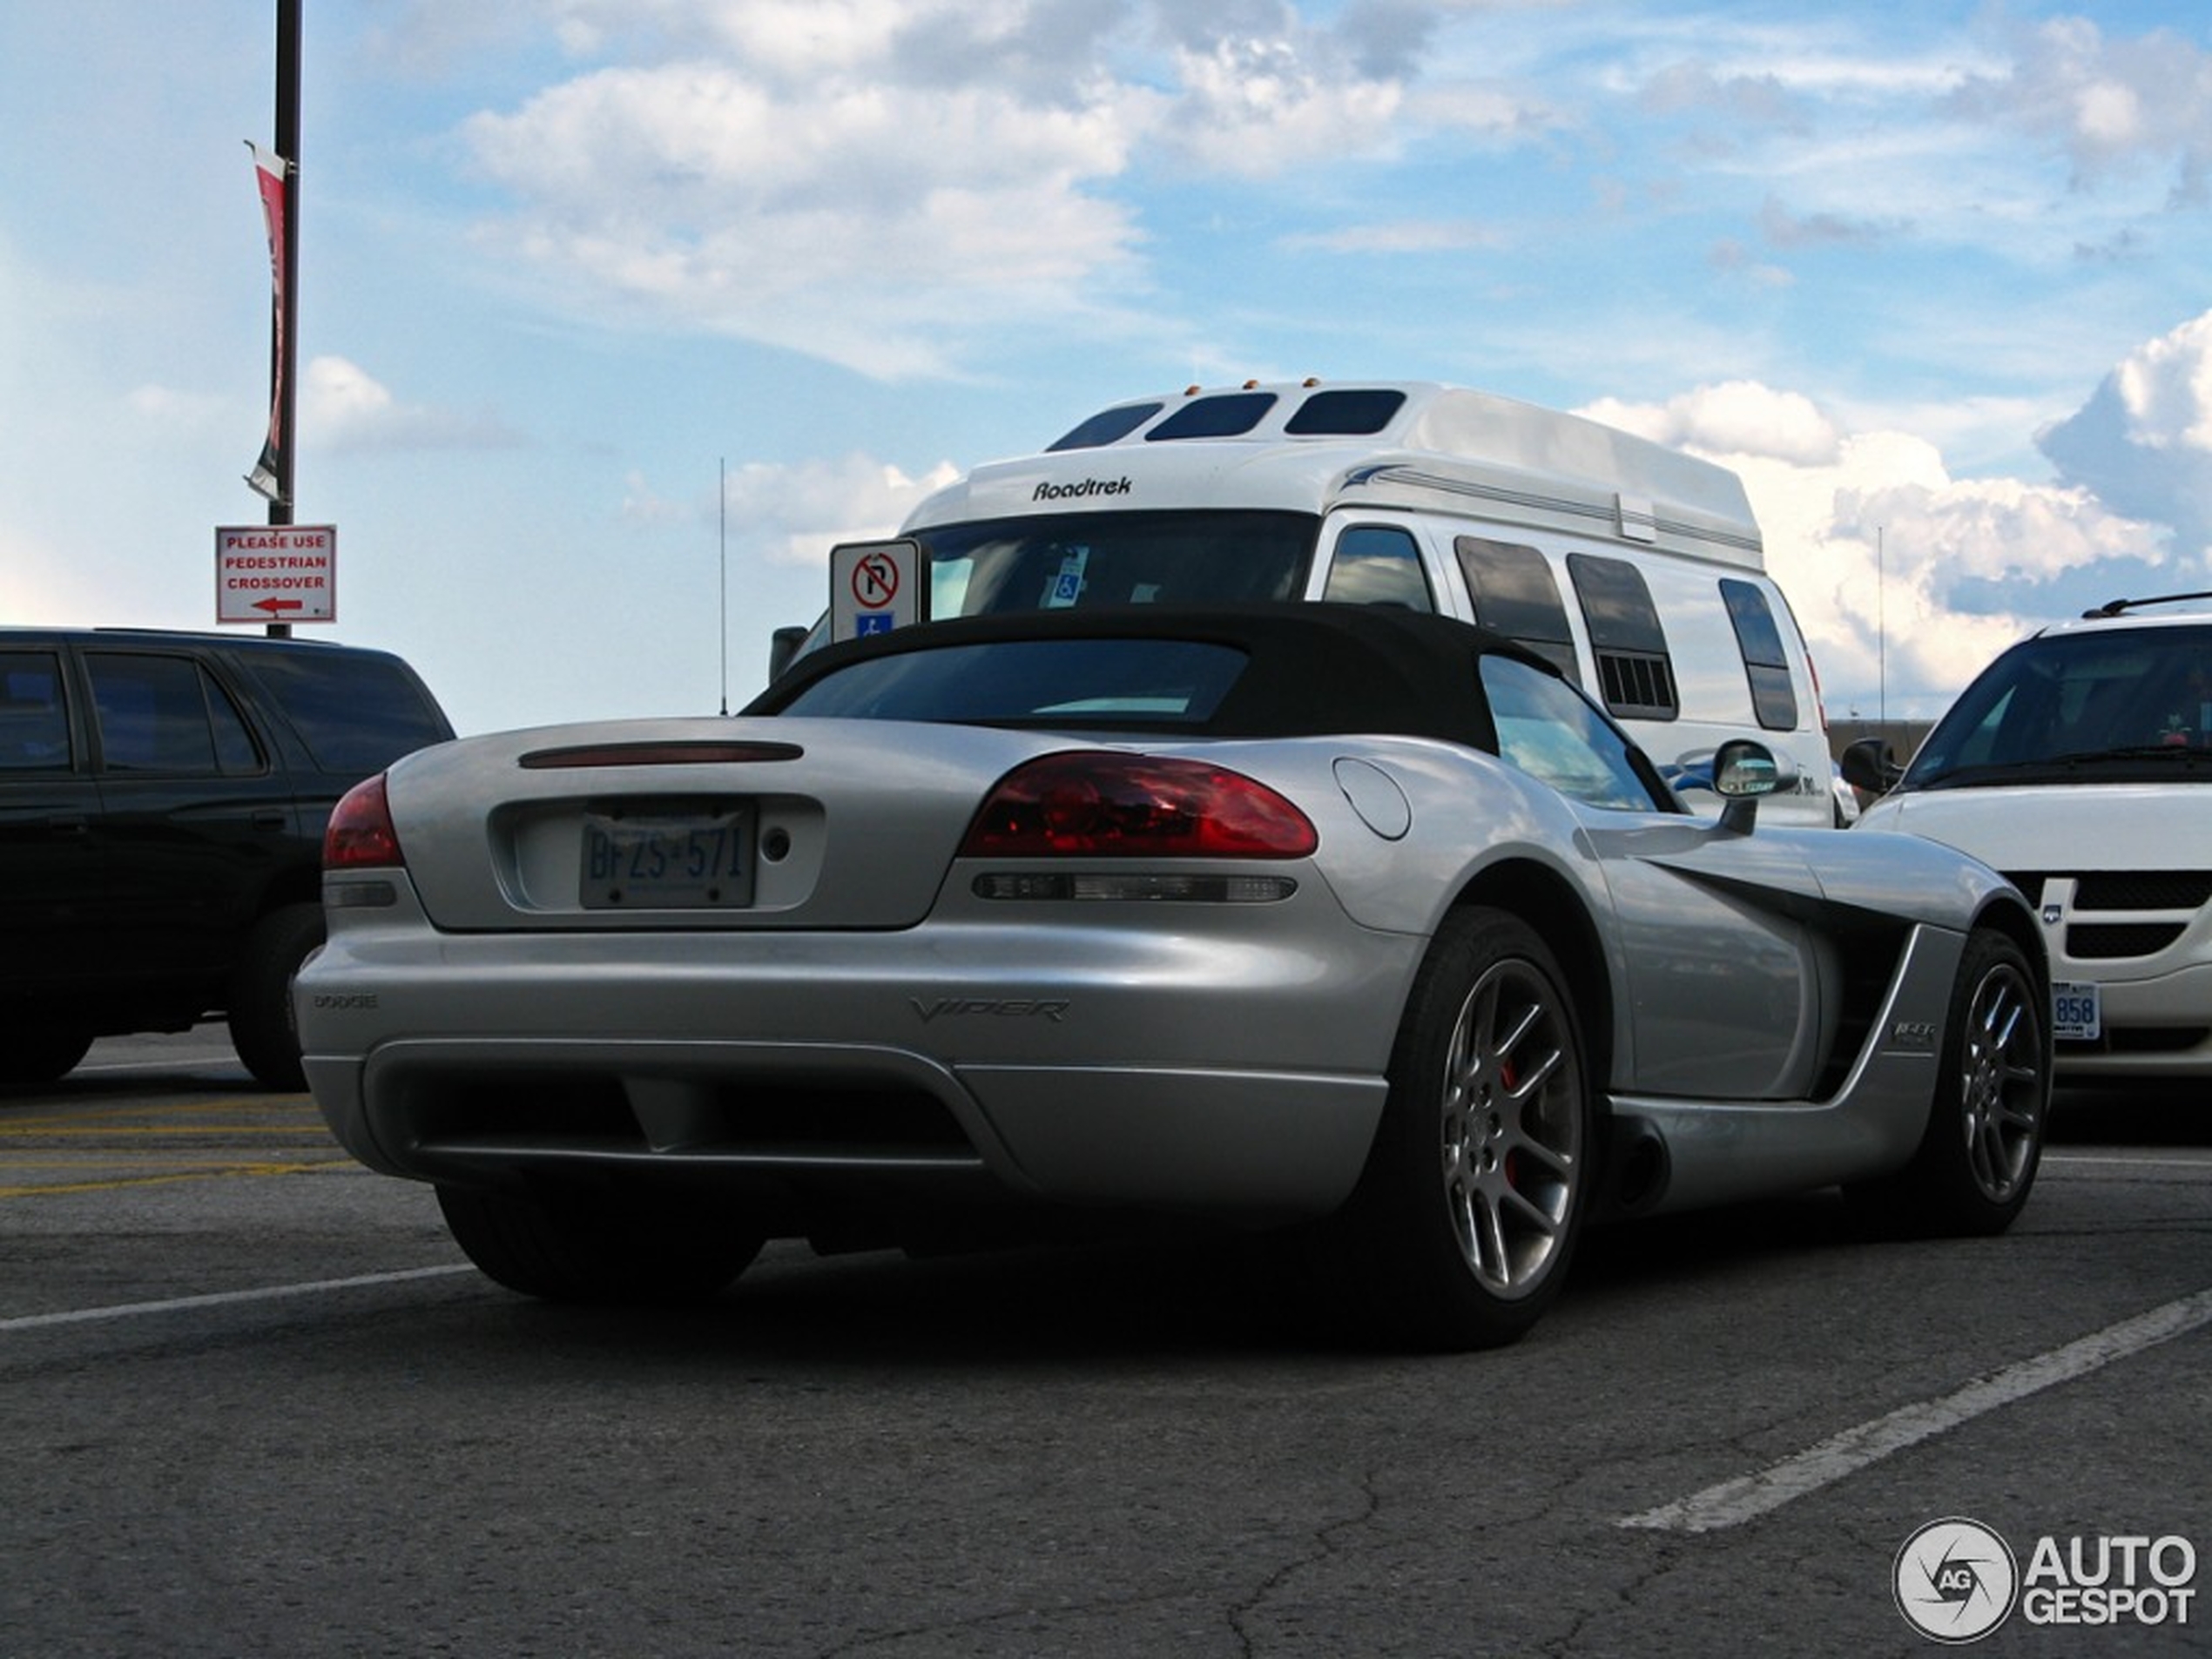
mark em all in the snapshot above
pixel 1637 568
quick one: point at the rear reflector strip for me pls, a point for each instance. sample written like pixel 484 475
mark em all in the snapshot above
pixel 1143 887
pixel 701 753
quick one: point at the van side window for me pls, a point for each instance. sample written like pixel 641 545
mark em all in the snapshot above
pixel 164 714
pixel 1346 413
pixel 1765 663
pixel 1379 564
pixel 1229 415
pixel 34 721
pixel 1635 676
pixel 1107 426
pixel 1516 595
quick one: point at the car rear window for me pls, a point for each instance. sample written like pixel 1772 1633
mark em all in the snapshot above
pixel 355 713
pixel 1043 682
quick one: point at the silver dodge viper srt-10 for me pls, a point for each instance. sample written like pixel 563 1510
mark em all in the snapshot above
pixel 1358 922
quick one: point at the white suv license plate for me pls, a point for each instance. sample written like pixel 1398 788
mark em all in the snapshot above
pixel 2077 1014
pixel 687 861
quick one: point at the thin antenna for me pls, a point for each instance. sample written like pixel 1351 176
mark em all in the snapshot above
pixel 1881 624
pixel 722 504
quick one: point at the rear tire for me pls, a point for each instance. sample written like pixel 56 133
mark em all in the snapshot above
pixel 1977 1160
pixel 264 1028
pixel 601 1247
pixel 1466 1216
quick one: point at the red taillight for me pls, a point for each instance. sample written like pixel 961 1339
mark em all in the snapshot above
pixel 360 835
pixel 1103 805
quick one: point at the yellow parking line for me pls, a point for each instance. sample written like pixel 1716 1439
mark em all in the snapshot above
pixel 248 1169
pixel 251 1104
pixel 122 1130
pixel 109 1160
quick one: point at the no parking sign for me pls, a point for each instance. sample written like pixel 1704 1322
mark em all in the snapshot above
pixel 876 586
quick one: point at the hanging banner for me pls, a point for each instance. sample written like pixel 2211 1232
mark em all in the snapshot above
pixel 269 169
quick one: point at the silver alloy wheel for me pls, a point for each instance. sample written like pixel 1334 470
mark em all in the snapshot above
pixel 2001 1082
pixel 1512 1128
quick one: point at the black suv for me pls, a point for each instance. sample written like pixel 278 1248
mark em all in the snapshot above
pixel 162 803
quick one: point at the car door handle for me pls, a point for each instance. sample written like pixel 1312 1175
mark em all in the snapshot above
pixel 267 818
pixel 69 827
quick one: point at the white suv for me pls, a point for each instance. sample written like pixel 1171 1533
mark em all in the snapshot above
pixel 2079 764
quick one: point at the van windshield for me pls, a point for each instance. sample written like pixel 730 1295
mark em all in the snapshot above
pixel 2121 706
pixel 1196 557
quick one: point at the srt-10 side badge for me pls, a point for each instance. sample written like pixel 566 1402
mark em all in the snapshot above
pixel 1913 1037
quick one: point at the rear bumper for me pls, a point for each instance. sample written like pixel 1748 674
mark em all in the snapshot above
pixel 1145 1066
pixel 1247 1142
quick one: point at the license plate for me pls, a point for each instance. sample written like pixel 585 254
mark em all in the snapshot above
pixel 668 861
pixel 2077 1013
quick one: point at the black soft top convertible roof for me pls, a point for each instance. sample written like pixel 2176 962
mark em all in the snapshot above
pixel 1314 669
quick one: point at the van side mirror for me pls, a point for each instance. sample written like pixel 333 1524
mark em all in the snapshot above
pixel 783 647
pixel 1869 764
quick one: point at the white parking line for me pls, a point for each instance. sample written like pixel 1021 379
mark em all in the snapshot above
pixel 224 1298
pixel 1747 1497
pixel 2186 1159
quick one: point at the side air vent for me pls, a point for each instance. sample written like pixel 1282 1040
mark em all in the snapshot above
pixel 1635 684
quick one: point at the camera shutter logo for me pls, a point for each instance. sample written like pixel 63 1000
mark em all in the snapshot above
pixel 1955 1580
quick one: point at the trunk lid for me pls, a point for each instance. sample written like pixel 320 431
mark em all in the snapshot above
pixel 713 824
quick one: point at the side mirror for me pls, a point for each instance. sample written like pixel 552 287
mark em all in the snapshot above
pixel 1745 770
pixel 1742 771
pixel 783 647
pixel 1869 764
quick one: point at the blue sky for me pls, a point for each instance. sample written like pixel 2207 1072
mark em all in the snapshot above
pixel 1933 278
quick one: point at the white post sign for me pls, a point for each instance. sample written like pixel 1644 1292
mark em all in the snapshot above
pixel 276 573
pixel 876 586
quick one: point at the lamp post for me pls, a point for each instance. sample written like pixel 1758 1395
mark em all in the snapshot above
pixel 285 347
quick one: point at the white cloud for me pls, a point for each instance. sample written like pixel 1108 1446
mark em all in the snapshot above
pixel 892 184
pixel 863 221
pixel 2115 107
pixel 346 409
pixel 1256 107
pixel 2143 442
pixel 1738 418
pixel 793 514
pixel 1906 580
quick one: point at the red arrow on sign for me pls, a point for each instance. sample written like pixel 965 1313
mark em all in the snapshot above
pixel 273 605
